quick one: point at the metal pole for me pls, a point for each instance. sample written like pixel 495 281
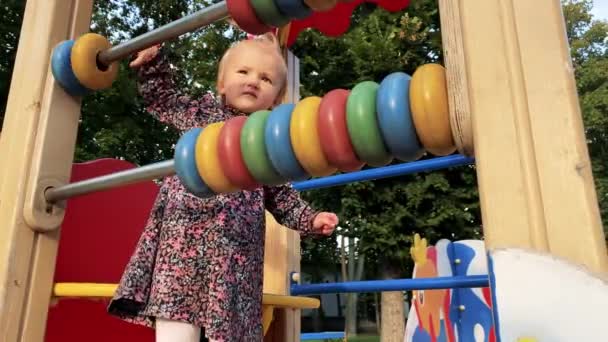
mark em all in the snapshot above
pixel 385 172
pixel 392 285
pixel 204 17
pixel 166 168
pixel 148 172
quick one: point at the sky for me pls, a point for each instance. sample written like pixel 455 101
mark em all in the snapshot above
pixel 600 9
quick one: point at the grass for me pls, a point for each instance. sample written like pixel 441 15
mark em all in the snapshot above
pixel 360 338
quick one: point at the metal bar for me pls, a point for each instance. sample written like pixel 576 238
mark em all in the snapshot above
pixel 392 285
pixel 328 335
pixel 204 17
pixel 148 172
pixel 166 168
pixel 385 172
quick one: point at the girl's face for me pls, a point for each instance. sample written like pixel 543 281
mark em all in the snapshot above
pixel 252 78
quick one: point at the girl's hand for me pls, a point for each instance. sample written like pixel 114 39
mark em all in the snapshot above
pixel 144 56
pixel 324 223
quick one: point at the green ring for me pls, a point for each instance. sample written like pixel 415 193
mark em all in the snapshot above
pixel 363 127
pixel 254 152
pixel 269 13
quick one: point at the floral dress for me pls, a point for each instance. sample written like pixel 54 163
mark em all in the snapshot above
pixel 201 260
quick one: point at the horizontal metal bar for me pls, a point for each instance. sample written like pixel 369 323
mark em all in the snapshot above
pixel 148 172
pixel 328 335
pixel 196 20
pixel 167 168
pixel 385 172
pixel 392 285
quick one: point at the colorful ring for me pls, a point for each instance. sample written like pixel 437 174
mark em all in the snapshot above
pixel 61 67
pixel 394 117
pixel 430 110
pixel 254 149
pixel 363 126
pixel 84 62
pixel 278 144
pixel 185 164
pixel 333 132
pixel 208 161
pixel 231 160
pixel 305 138
pixel 321 5
pixel 268 12
pixel 243 14
pixel 295 9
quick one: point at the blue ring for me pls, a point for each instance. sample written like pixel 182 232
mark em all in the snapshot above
pixel 395 117
pixel 278 143
pixel 295 9
pixel 185 164
pixel 61 67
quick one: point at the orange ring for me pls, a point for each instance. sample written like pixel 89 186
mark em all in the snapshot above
pixel 84 62
pixel 208 161
pixel 430 109
pixel 305 138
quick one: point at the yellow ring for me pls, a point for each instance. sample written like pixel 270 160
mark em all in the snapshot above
pixel 430 109
pixel 305 138
pixel 321 5
pixel 84 62
pixel 208 161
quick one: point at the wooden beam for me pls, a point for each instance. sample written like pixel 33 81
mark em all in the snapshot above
pixel 35 103
pixel 534 173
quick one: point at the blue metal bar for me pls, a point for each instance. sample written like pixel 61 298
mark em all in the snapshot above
pixel 385 172
pixel 321 336
pixel 392 285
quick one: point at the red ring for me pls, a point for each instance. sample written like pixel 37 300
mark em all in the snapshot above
pixel 231 159
pixel 333 132
pixel 243 14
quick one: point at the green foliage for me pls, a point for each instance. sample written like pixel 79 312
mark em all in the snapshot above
pixel 10 26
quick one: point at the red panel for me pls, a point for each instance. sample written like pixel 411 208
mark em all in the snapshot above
pixel 98 236
pixel 336 22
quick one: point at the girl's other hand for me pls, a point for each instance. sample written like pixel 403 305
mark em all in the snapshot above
pixel 144 56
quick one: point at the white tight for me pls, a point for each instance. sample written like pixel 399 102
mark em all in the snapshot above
pixel 173 331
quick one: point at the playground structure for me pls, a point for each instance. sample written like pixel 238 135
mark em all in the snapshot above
pixel 511 93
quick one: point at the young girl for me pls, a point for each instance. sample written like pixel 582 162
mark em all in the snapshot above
pixel 199 262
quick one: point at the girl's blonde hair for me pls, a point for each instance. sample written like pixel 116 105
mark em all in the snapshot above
pixel 267 40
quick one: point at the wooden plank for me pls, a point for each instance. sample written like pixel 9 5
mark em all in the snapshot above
pixel 52 159
pixel 456 76
pixel 27 257
pixel 534 173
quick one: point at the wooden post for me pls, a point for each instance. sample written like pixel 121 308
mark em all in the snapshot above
pixel 281 257
pixel 535 182
pixel 39 117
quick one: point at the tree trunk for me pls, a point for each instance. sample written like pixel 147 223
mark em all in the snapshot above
pixel 393 316
pixel 377 312
pixel 348 319
pixel 352 270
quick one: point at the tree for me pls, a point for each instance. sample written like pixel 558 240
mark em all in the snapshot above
pixel 10 27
